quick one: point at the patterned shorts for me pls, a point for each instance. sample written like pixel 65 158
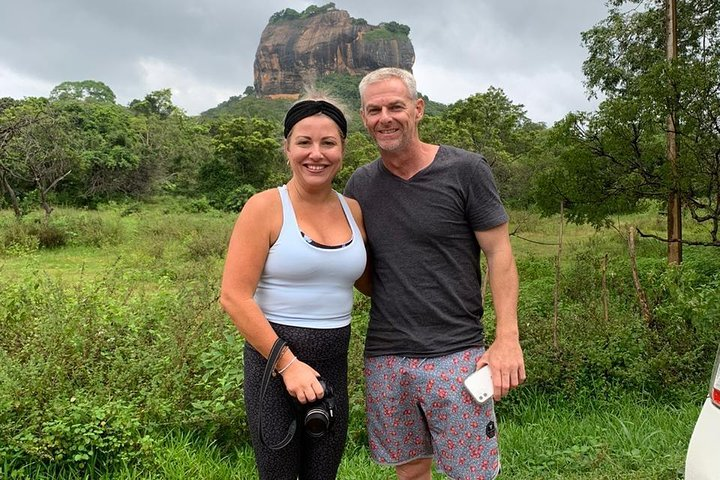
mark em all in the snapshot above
pixel 419 408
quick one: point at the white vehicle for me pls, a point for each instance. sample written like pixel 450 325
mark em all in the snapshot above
pixel 703 461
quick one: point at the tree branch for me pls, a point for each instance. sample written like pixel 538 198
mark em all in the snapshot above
pixel 683 241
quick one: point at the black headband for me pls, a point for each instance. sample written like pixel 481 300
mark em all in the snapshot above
pixel 307 108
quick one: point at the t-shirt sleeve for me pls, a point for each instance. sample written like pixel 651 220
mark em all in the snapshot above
pixel 349 190
pixel 484 206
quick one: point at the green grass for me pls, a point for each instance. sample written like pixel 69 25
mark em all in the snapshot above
pixel 624 438
pixel 141 251
pixel 620 439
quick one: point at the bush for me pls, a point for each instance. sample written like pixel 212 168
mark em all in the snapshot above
pixel 83 432
pixel 667 358
pixel 94 373
pixel 50 236
pixel 17 239
pixel 64 228
pixel 213 243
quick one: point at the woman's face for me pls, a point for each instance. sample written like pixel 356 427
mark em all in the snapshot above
pixel 314 150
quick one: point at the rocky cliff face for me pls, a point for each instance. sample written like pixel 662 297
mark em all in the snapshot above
pixel 294 52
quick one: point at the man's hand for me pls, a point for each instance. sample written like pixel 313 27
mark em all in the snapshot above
pixel 505 358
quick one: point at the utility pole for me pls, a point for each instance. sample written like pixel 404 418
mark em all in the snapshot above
pixel 674 208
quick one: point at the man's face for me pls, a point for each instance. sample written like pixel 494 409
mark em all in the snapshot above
pixel 390 115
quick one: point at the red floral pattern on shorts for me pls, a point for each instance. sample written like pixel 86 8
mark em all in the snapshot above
pixel 406 395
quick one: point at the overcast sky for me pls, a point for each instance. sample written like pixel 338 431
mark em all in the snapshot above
pixel 204 49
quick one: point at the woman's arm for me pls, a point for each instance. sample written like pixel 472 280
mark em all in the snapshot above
pixel 363 284
pixel 255 231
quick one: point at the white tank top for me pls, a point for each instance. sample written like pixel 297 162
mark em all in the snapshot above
pixel 303 285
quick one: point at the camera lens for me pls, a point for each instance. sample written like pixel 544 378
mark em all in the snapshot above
pixel 316 422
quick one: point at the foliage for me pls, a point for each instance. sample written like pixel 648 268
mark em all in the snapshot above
pixel 359 150
pixel 93 371
pixel 599 356
pixel 249 106
pixel 7 102
pixel 172 149
pixel 615 158
pixel 86 90
pixel 245 149
pixel 386 32
pixel 345 88
pixel 82 151
pixel 157 103
pixel 593 185
pixel 41 151
pixel 491 124
pixel 284 15
pixel 395 27
pixel 432 108
pixel 289 14
pixel 68 228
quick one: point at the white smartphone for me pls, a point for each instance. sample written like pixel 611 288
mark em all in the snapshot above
pixel 480 384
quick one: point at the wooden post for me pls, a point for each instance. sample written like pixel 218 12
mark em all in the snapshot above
pixel 605 294
pixel 556 293
pixel 642 297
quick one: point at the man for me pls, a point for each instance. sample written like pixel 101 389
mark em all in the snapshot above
pixel 429 210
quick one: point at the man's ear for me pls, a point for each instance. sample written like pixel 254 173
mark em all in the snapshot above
pixel 419 108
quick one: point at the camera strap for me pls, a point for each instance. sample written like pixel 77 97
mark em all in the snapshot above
pixel 269 368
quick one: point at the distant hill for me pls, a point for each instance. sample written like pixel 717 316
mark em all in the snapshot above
pixel 344 87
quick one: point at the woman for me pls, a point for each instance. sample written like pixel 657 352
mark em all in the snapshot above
pixel 293 257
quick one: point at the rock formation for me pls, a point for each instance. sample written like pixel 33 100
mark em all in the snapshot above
pixel 295 49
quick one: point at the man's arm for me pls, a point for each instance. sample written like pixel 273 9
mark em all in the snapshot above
pixel 505 355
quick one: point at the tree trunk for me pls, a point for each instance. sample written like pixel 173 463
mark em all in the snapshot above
pixel 43 200
pixel 11 193
pixel 674 208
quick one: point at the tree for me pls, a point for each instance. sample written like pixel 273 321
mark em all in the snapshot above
pixel 613 159
pixel 86 90
pixel 158 102
pixel 247 152
pixel 41 153
pixel 491 124
pixel 172 146
pixel 605 164
pixel 171 151
pixel 10 126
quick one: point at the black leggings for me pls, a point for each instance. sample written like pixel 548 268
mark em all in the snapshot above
pixel 304 457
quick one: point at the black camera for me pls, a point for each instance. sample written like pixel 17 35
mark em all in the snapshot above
pixel 318 416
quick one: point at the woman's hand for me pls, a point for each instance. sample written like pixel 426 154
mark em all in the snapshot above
pixel 301 382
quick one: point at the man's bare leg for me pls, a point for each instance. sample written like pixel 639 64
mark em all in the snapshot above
pixel 419 469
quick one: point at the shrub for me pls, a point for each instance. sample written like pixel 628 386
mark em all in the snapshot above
pixel 17 239
pixel 50 236
pixel 82 432
pixel 94 373
pixel 209 243
pixel 594 356
pixel 220 404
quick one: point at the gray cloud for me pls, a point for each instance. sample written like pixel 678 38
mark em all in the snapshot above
pixel 204 49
